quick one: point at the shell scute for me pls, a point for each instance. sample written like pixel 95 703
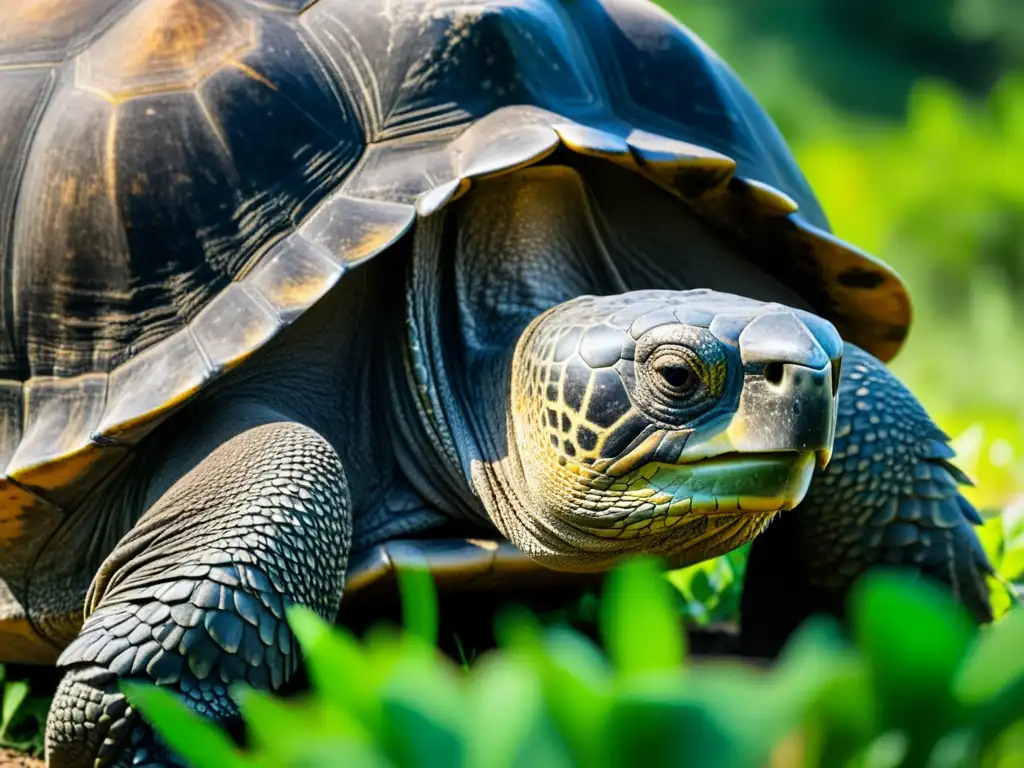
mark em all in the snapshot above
pixel 689 169
pixel 589 140
pixel 352 230
pixel 56 457
pixel 281 174
pixel 23 93
pixel 46 31
pixel 293 276
pixel 231 325
pixel 773 201
pixel 163 45
pixel 12 401
pixel 150 385
pixel 515 148
pixel 65 208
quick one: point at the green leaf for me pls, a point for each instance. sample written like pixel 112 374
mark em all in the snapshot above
pixel 814 655
pixel 329 752
pixel 711 588
pixel 995 660
pixel 1011 523
pixel 708 716
pixel 998 713
pixel 271 725
pixel 659 728
pixel 419 603
pixel 914 637
pixel 641 631
pixel 424 709
pixel 910 628
pixel 888 750
pixel 419 735
pixel 338 666
pixel 195 738
pixel 1007 749
pixel 822 678
pixel 286 731
pixel 576 679
pixel 506 705
pixel 842 718
pixel 14 695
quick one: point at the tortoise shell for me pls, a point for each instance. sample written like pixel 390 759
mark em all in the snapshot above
pixel 180 179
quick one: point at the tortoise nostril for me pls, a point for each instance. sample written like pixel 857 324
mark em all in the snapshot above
pixel 773 373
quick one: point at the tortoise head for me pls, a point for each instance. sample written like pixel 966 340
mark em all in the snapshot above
pixel 668 422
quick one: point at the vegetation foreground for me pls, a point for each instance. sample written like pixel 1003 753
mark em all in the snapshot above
pixel 914 684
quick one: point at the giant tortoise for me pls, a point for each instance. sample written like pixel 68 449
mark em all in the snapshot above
pixel 290 284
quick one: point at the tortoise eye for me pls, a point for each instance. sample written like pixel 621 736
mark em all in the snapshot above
pixel 680 374
pixel 676 374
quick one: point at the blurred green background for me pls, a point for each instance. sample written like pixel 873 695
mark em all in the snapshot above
pixel 908 119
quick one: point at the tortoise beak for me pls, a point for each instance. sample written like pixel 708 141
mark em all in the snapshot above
pixel 824 457
pixel 791 408
pixel 788 403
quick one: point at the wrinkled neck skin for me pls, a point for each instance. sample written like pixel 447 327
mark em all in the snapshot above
pixel 476 282
pixel 483 270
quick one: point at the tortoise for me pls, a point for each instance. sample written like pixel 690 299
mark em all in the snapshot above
pixel 297 290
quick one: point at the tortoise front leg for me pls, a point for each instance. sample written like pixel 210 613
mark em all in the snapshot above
pixel 889 497
pixel 194 596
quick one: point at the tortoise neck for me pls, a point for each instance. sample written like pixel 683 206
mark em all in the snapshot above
pixel 433 444
pixel 480 273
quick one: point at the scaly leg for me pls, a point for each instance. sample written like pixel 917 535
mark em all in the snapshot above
pixel 194 596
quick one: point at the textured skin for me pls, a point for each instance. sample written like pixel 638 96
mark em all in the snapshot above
pixel 890 497
pixel 194 596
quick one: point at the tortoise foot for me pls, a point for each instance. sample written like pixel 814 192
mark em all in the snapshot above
pixel 91 723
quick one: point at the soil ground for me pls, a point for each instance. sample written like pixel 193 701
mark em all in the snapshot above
pixel 11 759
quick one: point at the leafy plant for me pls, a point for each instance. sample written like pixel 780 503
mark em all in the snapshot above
pixel 22 714
pixel 1003 539
pixel 711 590
pixel 919 685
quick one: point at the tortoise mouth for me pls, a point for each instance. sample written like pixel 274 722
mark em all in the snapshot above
pixel 753 482
pixel 659 496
